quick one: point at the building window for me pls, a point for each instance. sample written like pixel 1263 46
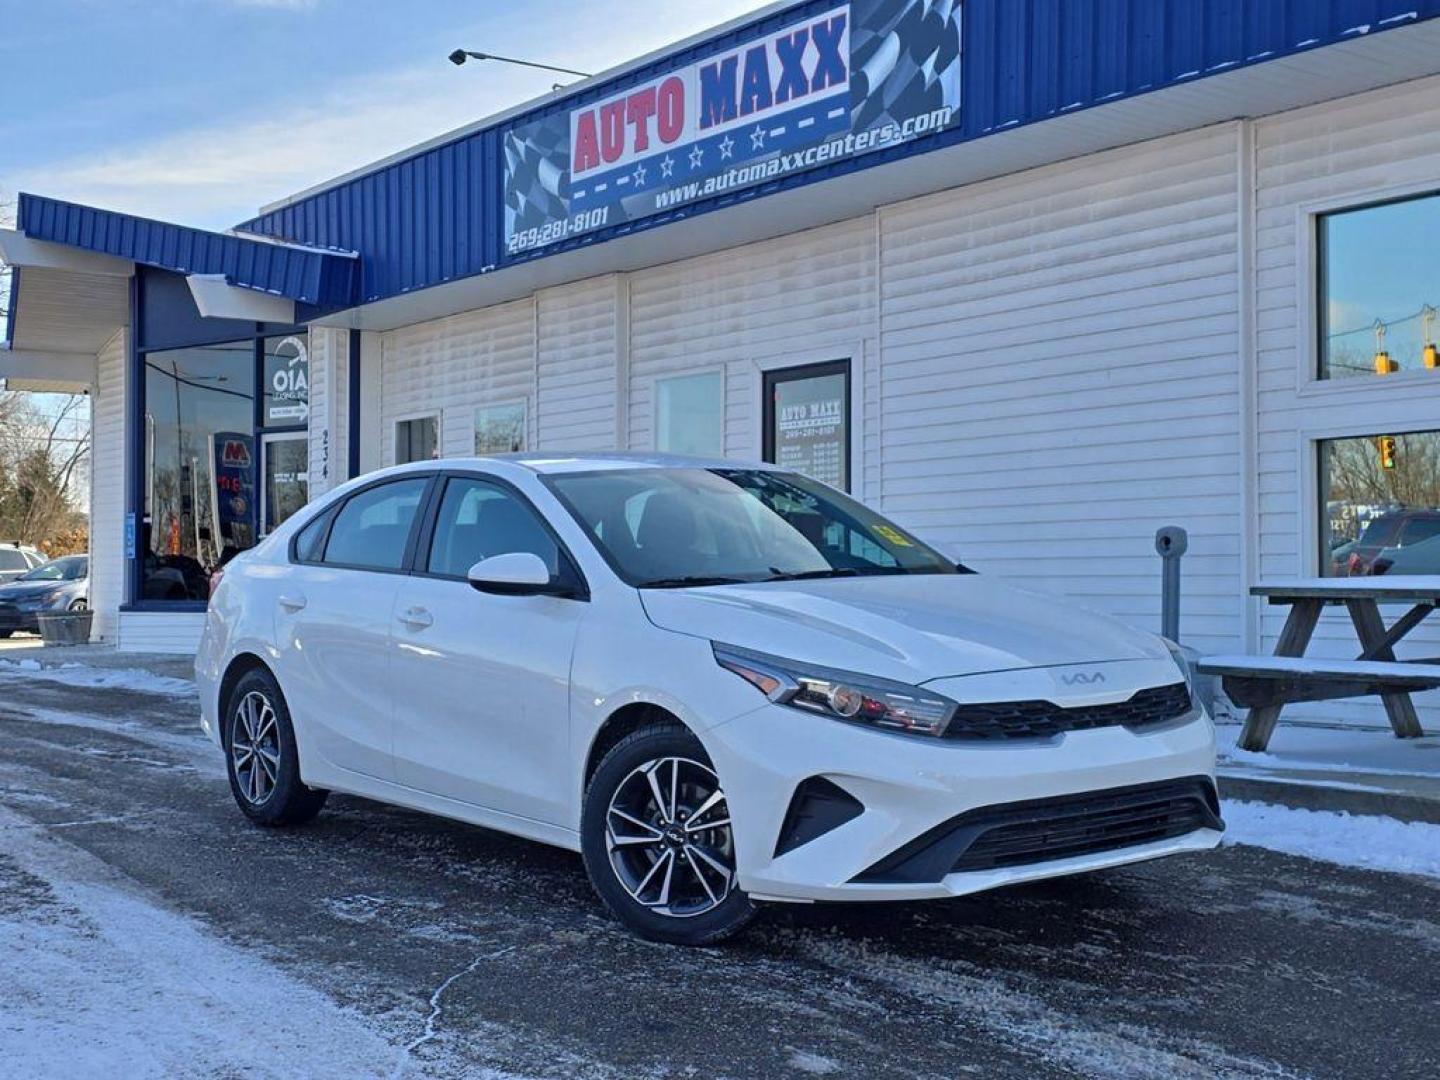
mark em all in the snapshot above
pixel 1381 504
pixel 807 421
pixel 1378 289
pixel 417 440
pixel 500 428
pixel 199 491
pixel 690 414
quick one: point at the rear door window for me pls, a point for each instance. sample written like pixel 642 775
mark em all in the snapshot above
pixel 372 530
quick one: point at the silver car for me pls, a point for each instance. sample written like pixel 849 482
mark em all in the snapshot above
pixel 16 559
pixel 59 585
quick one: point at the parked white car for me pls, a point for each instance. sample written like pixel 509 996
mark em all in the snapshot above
pixel 721 683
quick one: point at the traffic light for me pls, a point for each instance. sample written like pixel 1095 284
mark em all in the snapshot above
pixel 1387 451
pixel 1385 364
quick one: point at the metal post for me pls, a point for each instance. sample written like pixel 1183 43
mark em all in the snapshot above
pixel 1171 543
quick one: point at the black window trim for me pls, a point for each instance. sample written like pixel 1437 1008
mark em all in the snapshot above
pixel 333 511
pixel 579 587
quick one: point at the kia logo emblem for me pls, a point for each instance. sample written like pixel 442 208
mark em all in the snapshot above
pixel 1083 678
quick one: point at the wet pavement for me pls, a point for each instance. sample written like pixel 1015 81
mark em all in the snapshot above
pixel 447 950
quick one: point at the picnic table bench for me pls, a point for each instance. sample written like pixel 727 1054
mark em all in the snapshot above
pixel 1266 684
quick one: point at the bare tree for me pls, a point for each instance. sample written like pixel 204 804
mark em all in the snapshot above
pixel 44 455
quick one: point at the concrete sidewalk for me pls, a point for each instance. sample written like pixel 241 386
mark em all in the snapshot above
pixel 1363 771
pixel 1350 770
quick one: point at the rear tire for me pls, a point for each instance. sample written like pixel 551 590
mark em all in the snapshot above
pixel 657 842
pixel 260 755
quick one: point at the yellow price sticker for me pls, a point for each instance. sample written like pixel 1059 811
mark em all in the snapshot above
pixel 894 535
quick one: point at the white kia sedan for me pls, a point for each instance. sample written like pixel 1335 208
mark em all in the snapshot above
pixel 721 683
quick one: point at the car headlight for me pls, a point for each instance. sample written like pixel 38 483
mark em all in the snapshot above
pixel 841 695
pixel 35 603
pixel 1183 663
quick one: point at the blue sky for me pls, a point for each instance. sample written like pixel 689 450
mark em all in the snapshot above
pixel 200 110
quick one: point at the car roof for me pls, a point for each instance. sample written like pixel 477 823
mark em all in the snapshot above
pixel 597 461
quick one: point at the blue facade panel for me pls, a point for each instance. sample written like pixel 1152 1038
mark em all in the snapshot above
pixel 318 278
pixel 439 215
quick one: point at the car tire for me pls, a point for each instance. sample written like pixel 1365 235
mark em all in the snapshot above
pixel 687 893
pixel 259 736
pixel 79 605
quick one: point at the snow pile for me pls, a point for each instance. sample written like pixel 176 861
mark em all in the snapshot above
pixel 94 678
pixel 1371 843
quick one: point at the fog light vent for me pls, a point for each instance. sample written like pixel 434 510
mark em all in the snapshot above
pixel 817 807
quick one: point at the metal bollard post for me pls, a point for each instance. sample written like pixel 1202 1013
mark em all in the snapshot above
pixel 1170 542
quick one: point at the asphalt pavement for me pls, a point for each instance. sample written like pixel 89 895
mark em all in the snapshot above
pixel 383 942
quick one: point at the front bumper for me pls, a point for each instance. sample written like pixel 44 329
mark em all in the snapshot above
pixel 910 787
pixel 15 619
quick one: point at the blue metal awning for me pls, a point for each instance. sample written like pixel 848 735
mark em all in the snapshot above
pixel 319 277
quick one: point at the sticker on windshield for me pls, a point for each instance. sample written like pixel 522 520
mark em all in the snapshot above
pixel 894 535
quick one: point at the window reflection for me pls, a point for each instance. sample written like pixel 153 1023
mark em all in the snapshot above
pixel 1379 289
pixel 1382 505
pixel 199 466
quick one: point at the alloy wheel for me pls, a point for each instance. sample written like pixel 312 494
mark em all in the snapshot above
pixel 255 747
pixel 667 830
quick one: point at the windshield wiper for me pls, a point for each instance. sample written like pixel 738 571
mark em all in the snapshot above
pixel 811 575
pixel 692 581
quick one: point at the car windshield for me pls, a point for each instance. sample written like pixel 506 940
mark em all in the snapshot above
pixel 67 569
pixel 661 528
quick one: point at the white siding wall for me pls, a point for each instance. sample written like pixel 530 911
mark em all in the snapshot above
pixel 107 489
pixel 579 342
pixel 1060 376
pixel 329 400
pixel 801 299
pixel 161 632
pixel 450 366
pixel 1345 152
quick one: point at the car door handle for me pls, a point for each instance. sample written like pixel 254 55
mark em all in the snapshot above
pixel 292 604
pixel 417 618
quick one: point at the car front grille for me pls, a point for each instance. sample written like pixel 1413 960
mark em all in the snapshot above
pixel 1043 830
pixel 1044 719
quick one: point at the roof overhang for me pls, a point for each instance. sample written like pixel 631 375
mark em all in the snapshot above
pixel 216 298
pixel 1309 78
pixel 316 277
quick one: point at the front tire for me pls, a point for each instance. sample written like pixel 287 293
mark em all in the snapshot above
pixel 656 837
pixel 260 755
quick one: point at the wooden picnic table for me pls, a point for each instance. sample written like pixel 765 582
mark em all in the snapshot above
pixel 1267 684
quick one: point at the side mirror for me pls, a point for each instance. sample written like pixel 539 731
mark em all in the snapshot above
pixel 518 573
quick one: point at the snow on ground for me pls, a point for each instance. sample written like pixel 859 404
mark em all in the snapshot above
pixel 1309 748
pixel 100 982
pixel 1371 843
pixel 83 675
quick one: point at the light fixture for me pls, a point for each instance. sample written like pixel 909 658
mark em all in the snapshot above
pixel 459 56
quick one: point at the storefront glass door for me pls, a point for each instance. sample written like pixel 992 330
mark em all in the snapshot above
pixel 807 421
pixel 286 477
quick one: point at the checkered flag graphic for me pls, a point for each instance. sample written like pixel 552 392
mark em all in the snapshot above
pixel 537 159
pixel 906 59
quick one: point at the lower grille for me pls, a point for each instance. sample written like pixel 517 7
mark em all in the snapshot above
pixel 1043 830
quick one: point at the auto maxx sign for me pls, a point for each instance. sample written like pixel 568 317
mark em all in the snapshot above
pixel 841 82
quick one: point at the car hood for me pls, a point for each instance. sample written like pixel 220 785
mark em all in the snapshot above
pixel 910 627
